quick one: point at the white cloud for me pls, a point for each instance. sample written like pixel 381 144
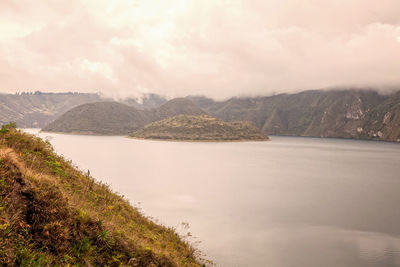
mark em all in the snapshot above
pixel 218 48
pixel 98 67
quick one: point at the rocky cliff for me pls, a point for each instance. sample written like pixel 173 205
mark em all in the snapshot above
pixel 363 114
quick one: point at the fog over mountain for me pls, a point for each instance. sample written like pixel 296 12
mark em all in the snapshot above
pixel 183 47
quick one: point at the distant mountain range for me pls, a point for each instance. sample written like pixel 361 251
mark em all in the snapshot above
pixel 199 128
pixel 360 114
pixel 113 118
pixel 36 110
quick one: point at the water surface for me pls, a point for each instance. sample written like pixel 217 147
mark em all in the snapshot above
pixel 288 202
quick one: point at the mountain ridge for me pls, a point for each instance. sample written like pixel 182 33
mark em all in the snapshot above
pixel 316 113
pixel 105 118
pixel 357 114
pixel 32 110
pixel 113 118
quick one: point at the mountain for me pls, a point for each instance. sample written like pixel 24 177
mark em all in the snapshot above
pixel 36 110
pixel 199 128
pixel 103 118
pixel 52 214
pixel 319 113
pixel 147 101
pixel 323 113
pixel 383 121
pixel 33 110
pixel 175 107
pixel 113 118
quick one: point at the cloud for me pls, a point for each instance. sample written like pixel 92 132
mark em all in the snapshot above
pixel 180 47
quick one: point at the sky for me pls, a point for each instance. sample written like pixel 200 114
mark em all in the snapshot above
pixel 218 48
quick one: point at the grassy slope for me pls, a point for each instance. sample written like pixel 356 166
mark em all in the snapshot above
pixel 199 128
pixel 52 214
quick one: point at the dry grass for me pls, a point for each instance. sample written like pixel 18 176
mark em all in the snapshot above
pixel 65 217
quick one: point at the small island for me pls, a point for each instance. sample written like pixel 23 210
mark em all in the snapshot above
pixel 200 128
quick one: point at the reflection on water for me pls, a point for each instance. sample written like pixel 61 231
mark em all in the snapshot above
pixel 288 202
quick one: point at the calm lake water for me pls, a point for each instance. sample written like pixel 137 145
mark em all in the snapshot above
pixel 288 202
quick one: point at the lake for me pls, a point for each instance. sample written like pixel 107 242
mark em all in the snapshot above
pixel 291 201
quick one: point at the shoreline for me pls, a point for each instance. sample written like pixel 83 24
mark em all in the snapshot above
pixel 79 133
pixel 197 141
pixel 155 139
pixel 222 141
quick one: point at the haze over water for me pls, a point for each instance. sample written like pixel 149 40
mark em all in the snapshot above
pixel 288 202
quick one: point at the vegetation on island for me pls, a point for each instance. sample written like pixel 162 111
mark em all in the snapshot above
pixel 53 214
pixel 199 128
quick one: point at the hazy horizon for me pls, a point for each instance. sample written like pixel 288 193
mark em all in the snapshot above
pixel 139 97
pixel 218 49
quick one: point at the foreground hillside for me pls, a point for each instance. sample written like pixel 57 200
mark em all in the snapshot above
pixel 113 118
pixel 52 214
pixel 199 128
pixel 361 114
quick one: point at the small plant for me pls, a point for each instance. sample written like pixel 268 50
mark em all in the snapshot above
pixel 6 127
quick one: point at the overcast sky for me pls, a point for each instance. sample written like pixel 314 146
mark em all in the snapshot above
pixel 180 47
